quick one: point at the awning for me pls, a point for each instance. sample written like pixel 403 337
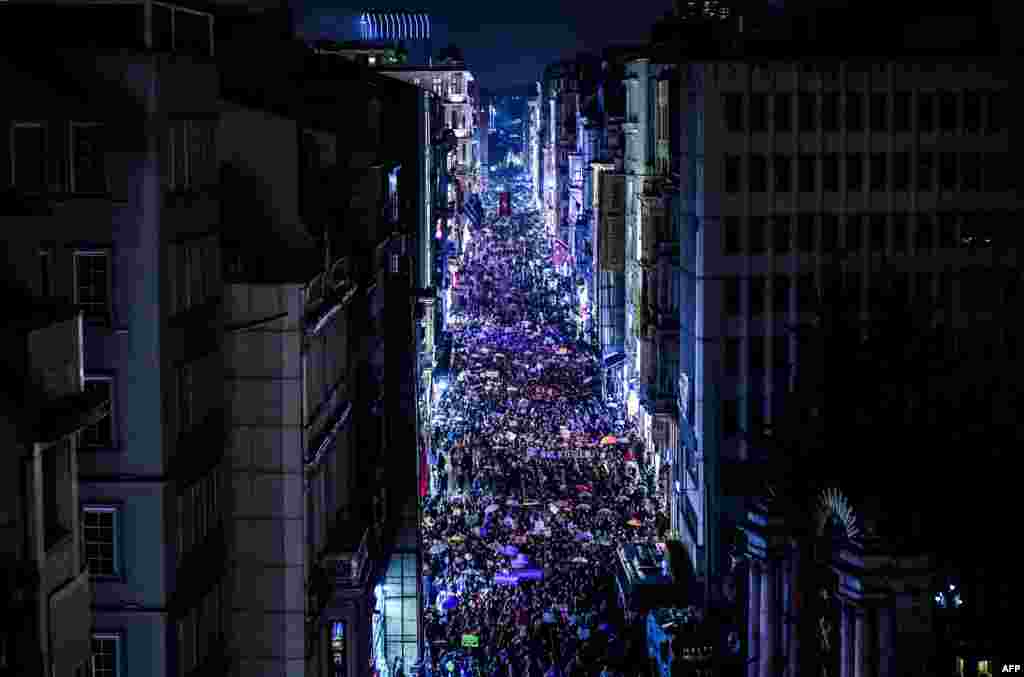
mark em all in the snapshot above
pixel 613 361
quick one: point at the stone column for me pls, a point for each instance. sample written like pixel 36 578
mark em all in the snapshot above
pixel 769 618
pixel 753 618
pixel 886 641
pixel 845 639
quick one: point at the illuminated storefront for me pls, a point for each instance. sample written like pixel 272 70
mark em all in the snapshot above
pixel 339 654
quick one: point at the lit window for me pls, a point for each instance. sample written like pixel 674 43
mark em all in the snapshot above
pixel 99 539
pixel 372 60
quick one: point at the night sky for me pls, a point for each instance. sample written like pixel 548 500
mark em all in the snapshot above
pixel 505 43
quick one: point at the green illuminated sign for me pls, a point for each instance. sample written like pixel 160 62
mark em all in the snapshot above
pixel 470 641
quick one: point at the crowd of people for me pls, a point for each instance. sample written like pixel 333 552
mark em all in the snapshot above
pixel 536 479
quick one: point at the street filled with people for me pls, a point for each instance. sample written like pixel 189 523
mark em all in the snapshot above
pixel 536 479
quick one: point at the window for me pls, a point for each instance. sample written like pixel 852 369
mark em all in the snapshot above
pixel 756 235
pixel 830 172
pixel 730 417
pixel 923 234
pixel 807 294
pixel 901 171
pixel 972 111
pixel 732 296
pixel 88 174
pixel 854 225
pixel 805 170
pixel 947 171
pixel 854 113
pixel 877 168
pixel 879 112
pixel 925 112
pixel 970 171
pixel 925 171
pixel 830 112
pixel 733 105
pixel 100 539
pixel 190 162
pixel 947 111
pixel 106 655
pixel 780 234
pixel 807 105
pixel 186 398
pixel 805 233
pixel 758 173
pixel 92 283
pixel 732 174
pixel 780 358
pixel 162 29
pixel 731 358
pixel 731 236
pixel 829 228
pixel 780 294
pixel 757 292
pixel 101 433
pixel 994 112
pixel 899 233
pixel 756 365
pixel 28 157
pixel 947 230
pixel 758 113
pixel 782 168
pixel 901 112
pixel 57 516
pixel 46 256
pixel 783 112
pixel 854 172
pixel 877 227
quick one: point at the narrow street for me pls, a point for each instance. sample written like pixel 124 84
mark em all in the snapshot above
pixel 538 480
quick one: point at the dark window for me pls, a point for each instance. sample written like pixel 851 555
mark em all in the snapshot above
pixel 877 233
pixel 732 174
pixel 757 290
pixel 780 357
pixel 925 112
pixel 899 234
pixel 947 171
pixel 733 104
pixel 29 161
pixel 758 173
pixel 101 433
pixel 730 417
pixel 88 173
pixel 780 234
pixel 731 236
pixel 830 172
pixel 998 172
pixel 947 230
pixel 163 35
pixel 923 235
pixel 901 171
pixel 829 228
pixel 994 112
pixel 970 171
pixel 851 286
pixel 808 111
pixel 92 283
pixel 756 409
pixel 756 365
pixel 191 33
pixel 805 168
pixel 757 235
pixel 780 294
pixel 758 113
pixel 732 296
pixel 783 112
pixel 925 170
pixel 854 172
pixel 879 112
pixel 947 111
pixel 783 170
pixel 732 356
pixel 972 111
pixel 806 293
pixel 805 233
pixel 830 112
pixel 46 256
pixel 852 232
pixel 99 540
pixel 901 112
pixel 854 113
pixel 878 178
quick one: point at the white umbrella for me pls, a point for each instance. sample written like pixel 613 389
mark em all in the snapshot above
pixel 493 507
pixel 438 548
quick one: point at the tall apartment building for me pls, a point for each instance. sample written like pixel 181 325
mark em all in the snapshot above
pixel 652 274
pixel 875 171
pixel 534 106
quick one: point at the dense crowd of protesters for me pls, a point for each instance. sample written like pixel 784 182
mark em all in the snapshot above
pixel 537 480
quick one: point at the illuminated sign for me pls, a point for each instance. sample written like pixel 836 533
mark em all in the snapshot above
pixel 470 641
